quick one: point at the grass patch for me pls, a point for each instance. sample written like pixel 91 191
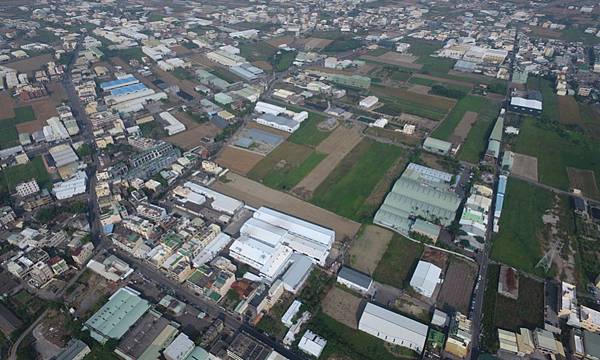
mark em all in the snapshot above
pixel 518 242
pixel 283 60
pixel 342 44
pixel 550 109
pixel 134 53
pixel 309 133
pixel 476 142
pixel 9 136
pixel 225 75
pixel 398 262
pixel 489 338
pixel 285 166
pixel 432 83
pixel 345 342
pixel 556 147
pixel 271 322
pixel 436 65
pixel 469 103
pixel 257 51
pixel 527 311
pixel 349 185
pixel 183 74
pixel 14 175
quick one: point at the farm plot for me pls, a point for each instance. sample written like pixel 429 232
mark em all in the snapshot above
pixel 255 194
pixel 569 111
pixel 285 166
pixel 525 166
pixel 527 311
pixel 6 106
pixel 313 43
pixel 238 160
pixel 342 306
pixel 8 131
pixel 398 262
pixel 458 284
pixel 391 58
pixel 397 101
pixel 584 180
pixel 469 103
pixel 476 142
pixel 350 184
pixel 337 145
pixel 519 241
pixel 190 138
pixel 309 133
pixel 462 130
pixel 367 250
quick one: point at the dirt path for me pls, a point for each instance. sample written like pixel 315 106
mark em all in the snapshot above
pixel 464 127
pixel 257 195
pixel 337 145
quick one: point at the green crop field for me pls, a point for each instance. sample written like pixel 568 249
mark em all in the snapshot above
pixel 557 147
pixel 309 132
pixel 468 103
pixel 476 142
pixel 398 262
pixel 8 133
pixel 521 227
pixel 395 106
pixel 347 343
pixel 349 185
pixel 282 61
pixel 285 166
pixel 34 169
pixel 259 50
pixel 430 82
pixel 550 108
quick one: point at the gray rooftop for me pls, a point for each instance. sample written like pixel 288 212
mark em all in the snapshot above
pixel 355 277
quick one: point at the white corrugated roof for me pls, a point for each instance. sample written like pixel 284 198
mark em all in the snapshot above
pixel 528 103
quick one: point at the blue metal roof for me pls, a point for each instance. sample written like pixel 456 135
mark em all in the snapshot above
pixel 499 203
pixel 113 83
pixel 128 89
pixel 502 184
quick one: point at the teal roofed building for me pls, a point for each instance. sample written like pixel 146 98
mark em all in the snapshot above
pixel 495 140
pixel 123 309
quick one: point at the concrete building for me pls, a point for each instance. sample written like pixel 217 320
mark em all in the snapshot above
pixel 368 102
pixel 437 146
pixel 27 188
pixel 590 319
pixel 526 106
pixel 425 278
pixel 354 280
pixel 75 350
pixel 72 187
pixel 312 344
pixel 174 126
pixel 180 348
pixel 278 122
pixel 393 328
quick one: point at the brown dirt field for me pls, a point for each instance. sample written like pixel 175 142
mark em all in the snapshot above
pixel 316 43
pixel 286 154
pixel 31 64
pixel 57 92
pixel 366 251
pixel 7 105
pixel 337 145
pixel 457 286
pixel 275 42
pixel 238 160
pixel 422 122
pixel 256 195
pixel 342 306
pixel 525 166
pixel 569 111
pixel 181 50
pixel 191 138
pixel 464 127
pixel 393 61
pixel 442 80
pixel 436 257
pixel 44 109
pixel 420 89
pixel 546 33
pixel 425 100
pixel 584 180
pixel 431 160
pixel 394 56
pixel 385 184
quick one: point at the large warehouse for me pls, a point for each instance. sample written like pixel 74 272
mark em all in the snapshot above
pixel 393 328
pixel 420 192
pixel 268 239
pixel 425 278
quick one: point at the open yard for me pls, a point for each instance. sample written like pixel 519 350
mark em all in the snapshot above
pixel 457 287
pixel 285 166
pixel 569 111
pixel 584 180
pixel 238 160
pixel 343 306
pixel 474 104
pixel 31 64
pixel 525 166
pixel 519 241
pixel 398 262
pixel 191 137
pixel 255 194
pixel 336 146
pixel 557 148
pixel 367 250
pixel 350 184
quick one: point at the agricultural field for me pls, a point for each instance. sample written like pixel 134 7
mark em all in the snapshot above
pixel 285 166
pixel 527 311
pixel 350 184
pixel 476 142
pixel 557 148
pixel 342 305
pixel 550 108
pixel 344 342
pixel 459 280
pixel 397 101
pixel 519 241
pixel 367 250
pixel 469 103
pixel 569 111
pixel 238 160
pixel 398 262
pixel 8 131
pixel 259 50
pixel 431 82
pixel 309 133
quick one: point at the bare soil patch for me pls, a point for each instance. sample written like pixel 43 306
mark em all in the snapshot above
pixel 238 160
pixel 31 64
pixel 393 60
pixel 342 306
pixel 464 127
pixel 255 194
pixel 7 104
pixel 337 145
pixel 584 180
pixel 525 166
pixel 457 287
pixel 191 138
pixel 366 251
pixel 569 111
pixel 316 43
pixel 420 89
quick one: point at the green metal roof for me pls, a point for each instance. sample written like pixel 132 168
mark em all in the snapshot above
pixel 123 309
pixel 497 130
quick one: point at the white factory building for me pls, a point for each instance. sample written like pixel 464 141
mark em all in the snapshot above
pixel 425 278
pixel 368 102
pixel 393 328
pixel 268 240
pixel 74 186
pixel 197 194
pixel 175 126
pixel 282 123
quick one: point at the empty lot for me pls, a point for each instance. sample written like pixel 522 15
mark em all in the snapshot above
pixel 584 180
pixel 342 306
pixel 256 195
pixel 238 160
pixel 190 138
pixel 525 166
pixel 337 145
pixel 366 251
pixel 457 286
pixel 464 127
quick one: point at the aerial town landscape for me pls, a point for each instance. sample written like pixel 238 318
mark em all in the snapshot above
pixel 271 179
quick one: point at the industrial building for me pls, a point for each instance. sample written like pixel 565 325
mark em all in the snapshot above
pixel 72 187
pixel 75 350
pixel 247 71
pixel 198 195
pixel 422 193
pixel 312 344
pixel 425 278
pixel 278 122
pixel 123 309
pixel 119 82
pixel 354 280
pixel 495 140
pixel 393 328
pixel 526 106
pixel 437 146
pixel 268 239
pixel 368 102
pixel 175 126
pixel 150 335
